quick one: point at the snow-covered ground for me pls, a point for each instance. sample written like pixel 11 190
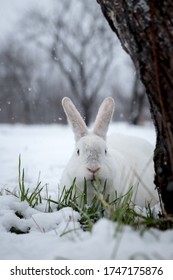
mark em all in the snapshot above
pixel 44 152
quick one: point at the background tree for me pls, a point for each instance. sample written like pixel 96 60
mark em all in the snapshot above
pixel 145 29
pixel 15 84
pixel 138 101
pixel 74 32
pixel 24 90
pixel 65 49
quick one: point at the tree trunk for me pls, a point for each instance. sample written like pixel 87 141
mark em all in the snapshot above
pixel 145 29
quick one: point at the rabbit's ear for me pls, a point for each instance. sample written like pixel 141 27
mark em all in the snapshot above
pixel 104 117
pixel 76 121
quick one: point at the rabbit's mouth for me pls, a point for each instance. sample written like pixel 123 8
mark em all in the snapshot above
pixel 95 180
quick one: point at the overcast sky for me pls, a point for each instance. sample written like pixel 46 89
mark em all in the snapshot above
pixel 12 10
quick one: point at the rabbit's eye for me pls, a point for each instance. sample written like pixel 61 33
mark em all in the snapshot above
pixel 106 151
pixel 78 152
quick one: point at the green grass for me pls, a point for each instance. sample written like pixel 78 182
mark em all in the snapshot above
pixel 33 198
pixel 119 210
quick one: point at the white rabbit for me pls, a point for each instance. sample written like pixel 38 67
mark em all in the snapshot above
pixel 122 161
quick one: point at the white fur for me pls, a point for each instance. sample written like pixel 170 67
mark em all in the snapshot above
pixel 122 161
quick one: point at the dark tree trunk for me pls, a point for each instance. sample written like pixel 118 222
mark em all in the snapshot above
pixel 145 29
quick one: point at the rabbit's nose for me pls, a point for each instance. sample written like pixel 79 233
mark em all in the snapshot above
pixel 93 170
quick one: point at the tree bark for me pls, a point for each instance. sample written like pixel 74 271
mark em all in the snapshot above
pixel 145 29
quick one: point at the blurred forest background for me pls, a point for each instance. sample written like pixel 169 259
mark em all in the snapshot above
pixel 66 49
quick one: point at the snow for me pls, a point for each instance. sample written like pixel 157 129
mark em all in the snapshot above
pixel 58 235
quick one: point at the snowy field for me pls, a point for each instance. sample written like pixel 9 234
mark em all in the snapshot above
pixel 44 152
